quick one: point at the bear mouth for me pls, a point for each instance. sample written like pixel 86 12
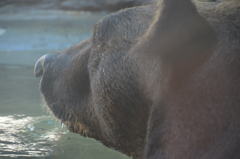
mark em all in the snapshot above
pixel 68 119
pixel 77 127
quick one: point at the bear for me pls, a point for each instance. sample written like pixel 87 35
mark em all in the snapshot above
pixel 154 81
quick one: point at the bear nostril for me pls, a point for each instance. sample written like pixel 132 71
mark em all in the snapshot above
pixel 41 64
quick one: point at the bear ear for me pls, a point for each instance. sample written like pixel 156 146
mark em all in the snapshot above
pixel 177 42
pixel 179 38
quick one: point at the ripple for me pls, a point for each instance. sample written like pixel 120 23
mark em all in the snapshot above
pixel 25 136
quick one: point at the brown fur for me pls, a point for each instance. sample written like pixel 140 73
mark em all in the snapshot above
pixel 165 88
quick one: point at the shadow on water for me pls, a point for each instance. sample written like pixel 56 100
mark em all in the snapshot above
pixel 26 129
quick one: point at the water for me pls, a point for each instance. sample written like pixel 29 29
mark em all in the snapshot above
pixel 27 130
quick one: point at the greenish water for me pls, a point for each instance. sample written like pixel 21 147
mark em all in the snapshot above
pixel 26 129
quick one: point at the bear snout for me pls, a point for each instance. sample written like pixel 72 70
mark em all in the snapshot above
pixel 41 64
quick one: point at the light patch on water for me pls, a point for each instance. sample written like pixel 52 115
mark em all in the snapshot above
pixel 2 31
pixel 24 136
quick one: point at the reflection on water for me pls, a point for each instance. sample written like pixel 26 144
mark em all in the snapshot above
pixel 25 130
pixel 28 132
pixel 23 136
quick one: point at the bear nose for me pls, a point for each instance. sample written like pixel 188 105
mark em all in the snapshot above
pixel 41 64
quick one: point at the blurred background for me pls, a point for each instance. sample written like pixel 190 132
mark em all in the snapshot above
pixel 29 29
